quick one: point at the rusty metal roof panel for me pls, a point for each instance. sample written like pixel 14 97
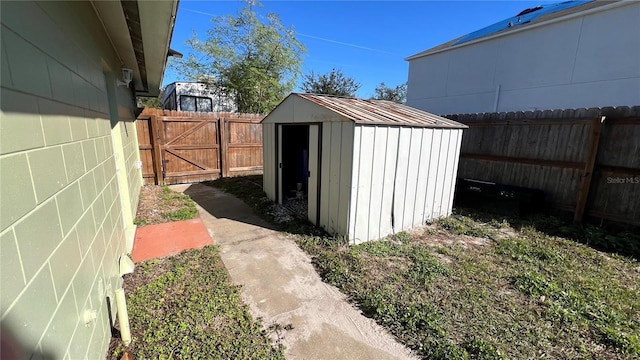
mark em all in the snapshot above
pixel 381 112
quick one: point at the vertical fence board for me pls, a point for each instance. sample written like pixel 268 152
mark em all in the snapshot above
pixel 552 151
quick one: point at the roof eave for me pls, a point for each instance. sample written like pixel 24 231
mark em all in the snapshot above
pixel 515 30
pixel 140 33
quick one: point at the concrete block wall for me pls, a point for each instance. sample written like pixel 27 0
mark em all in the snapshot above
pixel 62 226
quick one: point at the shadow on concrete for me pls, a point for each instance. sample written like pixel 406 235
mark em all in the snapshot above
pixel 226 206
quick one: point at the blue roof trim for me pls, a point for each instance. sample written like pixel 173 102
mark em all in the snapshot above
pixel 522 18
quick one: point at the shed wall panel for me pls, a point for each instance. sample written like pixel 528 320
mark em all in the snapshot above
pixel 367 142
pixel 355 181
pixel 325 176
pixel 454 175
pixel 441 173
pixel 423 177
pixel 269 174
pixel 377 180
pixel 388 177
pixel 433 174
pixel 334 176
pixel 411 190
pixel 448 173
pixel 401 177
pixel 335 186
pixel 346 162
pixel 402 166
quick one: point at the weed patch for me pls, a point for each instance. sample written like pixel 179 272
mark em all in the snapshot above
pixel 160 204
pixel 185 306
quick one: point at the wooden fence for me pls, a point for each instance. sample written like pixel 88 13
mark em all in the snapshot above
pixel 183 147
pixel 586 161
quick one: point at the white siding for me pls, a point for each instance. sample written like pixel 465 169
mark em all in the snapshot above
pixel 587 61
pixel 454 174
pixel 376 183
pixel 423 176
pixel 441 170
pixel 432 174
pixel 388 177
pixel 269 161
pixel 413 166
pixel 400 186
pixel 346 163
pixel 335 191
pixel 403 176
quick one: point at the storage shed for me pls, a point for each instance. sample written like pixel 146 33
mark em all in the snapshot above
pixel 363 169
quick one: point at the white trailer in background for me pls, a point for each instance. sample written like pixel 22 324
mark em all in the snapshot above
pixel 195 96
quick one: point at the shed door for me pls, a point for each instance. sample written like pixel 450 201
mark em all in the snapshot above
pixel 314 144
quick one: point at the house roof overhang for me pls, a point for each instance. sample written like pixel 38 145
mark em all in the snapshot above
pixel 140 33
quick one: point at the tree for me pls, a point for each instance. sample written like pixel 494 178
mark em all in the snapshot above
pixel 149 102
pixel 254 59
pixel 333 83
pixel 397 94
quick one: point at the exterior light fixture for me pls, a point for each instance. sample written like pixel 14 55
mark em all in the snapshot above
pixel 127 76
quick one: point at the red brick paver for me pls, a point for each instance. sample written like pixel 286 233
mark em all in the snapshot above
pixel 154 241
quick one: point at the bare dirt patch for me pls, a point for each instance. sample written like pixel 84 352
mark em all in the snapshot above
pixel 432 235
pixel 160 204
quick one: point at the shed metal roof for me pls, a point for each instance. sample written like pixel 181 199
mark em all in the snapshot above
pixel 380 112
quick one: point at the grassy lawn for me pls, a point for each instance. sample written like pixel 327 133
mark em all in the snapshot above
pixel 486 287
pixel 185 306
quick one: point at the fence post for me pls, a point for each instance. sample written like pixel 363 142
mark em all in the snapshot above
pixel 587 174
pixel 157 153
pixel 224 147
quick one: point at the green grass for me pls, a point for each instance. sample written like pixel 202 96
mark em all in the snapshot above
pixel 167 205
pixel 186 208
pixel 477 286
pixel 526 295
pixel 186 307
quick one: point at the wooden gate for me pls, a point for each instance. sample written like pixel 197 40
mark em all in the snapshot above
pixel 185 147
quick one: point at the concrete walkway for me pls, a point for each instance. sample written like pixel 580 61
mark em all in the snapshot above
pixel 281 286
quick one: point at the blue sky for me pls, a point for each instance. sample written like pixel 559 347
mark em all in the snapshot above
pixel 367 40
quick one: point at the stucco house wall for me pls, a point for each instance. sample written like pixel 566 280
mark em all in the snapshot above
pixel 69 181
pixel 588 58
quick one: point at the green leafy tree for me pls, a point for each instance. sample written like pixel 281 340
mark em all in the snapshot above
pixel 333 83
pixel 397 94
pixel 254 59
pixel 149 102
